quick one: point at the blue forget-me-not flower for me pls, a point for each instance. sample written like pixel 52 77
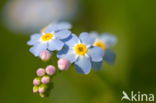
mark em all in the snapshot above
pixel 104 41
pixel 50 38
pixel 81 52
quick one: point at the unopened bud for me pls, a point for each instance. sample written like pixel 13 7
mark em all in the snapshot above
pixel 45 55
pixel 45 79
pixel 35 89
pixel 36 81
pixel 50 70
pixel 42 88
pixel 40 72
pixel 63 64
pixel 42 95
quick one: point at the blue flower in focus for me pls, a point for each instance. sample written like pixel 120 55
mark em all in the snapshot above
pixel 50 38
pixel 81 52
pixel 105 41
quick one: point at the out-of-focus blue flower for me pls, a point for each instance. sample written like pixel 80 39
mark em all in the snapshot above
pixel 81 52
pixel 105 41
pixel 50 38
pixel 30 15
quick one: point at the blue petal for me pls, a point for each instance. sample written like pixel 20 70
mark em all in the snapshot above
pixel 62 34
pixel 63 25
pixel 55 45
pixel 86 38
pixel 97 65
pixel 68 54
pixel 110 40
pixel 83 65
pixel 36 49
pixel 34 39
pixel 49 28
pixel 94 35
pixel 110 56
pixel 63 52
pixel 72 40
pixel 96 54
pixel 58 26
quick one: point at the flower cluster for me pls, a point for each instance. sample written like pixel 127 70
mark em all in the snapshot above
pixel 86 51
pixel 42 83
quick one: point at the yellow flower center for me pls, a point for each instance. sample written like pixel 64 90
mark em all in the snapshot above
pixel 100 44
pixel 47 37
pixel 81 49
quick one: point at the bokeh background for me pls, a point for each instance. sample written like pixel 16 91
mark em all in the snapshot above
pixel 133 22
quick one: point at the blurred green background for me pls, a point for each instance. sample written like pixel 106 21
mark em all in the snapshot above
pixel 134 24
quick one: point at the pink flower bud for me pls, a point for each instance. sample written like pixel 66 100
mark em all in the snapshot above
pixel 35 89
pixel 63 64
pixel 45 55
pixel 50 70
pixel 36 81
pixel 42 88
pixel 40 72
pixel 45 79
